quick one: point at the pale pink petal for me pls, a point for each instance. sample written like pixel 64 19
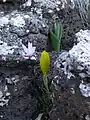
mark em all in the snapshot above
pixel 33 58
pixel 31 52
pixel 31 49
pixel 28 51
pixel 26 57
pixel 29 46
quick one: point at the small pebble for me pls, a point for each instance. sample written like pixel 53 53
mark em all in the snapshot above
pixel 50 11
pixel 1 116
pixel 58 9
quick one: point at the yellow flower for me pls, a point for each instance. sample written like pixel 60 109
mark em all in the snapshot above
pixel 44 62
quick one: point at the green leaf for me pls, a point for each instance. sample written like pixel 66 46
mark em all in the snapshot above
pixel 55 29
pixel 56 36
pixel 58 30
pixel 55 42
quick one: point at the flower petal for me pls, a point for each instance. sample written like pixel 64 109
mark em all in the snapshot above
pixel 33 58
pixel 29 46
pixel 31 49
pixel 28 51
pixel 26 57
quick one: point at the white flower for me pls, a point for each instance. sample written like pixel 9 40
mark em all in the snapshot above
pixel 28 52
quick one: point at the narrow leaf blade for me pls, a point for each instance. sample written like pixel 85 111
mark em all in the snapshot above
pixel 55 42
pixel 57 30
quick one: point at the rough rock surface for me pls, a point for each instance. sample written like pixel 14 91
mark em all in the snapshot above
pixel 18 27
pixel 17 22
pixel 15 1
pixel 78 55
pixel 71 83
pixel 76 62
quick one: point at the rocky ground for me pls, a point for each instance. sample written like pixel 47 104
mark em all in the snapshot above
pixel 20 79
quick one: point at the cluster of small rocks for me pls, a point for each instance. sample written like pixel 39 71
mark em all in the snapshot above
pixel 19 27
pixel 76 62
pixel 72 81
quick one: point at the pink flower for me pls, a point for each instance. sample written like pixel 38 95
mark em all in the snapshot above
pixel 29 52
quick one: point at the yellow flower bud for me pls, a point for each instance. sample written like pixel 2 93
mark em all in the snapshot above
pixel 44 62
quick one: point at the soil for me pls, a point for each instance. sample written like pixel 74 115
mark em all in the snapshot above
pixel 22 105
pixel 68 106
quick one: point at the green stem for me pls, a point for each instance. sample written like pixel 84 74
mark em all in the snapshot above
pixel 45 82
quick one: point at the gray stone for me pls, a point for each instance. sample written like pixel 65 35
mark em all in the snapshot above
pixel 16 1
pixel 38 40
pixel 16 26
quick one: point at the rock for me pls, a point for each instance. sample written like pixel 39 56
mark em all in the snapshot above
pixel 77 59
pixel 16 1
pixel 4 92
pixel 16 26
pixel 23 24
pixel 67 91
pixel 20 24
pixel 73 66
pixel 38 40
pixel 67 15
pixel 85 89
pixel 27 3
pixel 65 63
pixel 80 52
